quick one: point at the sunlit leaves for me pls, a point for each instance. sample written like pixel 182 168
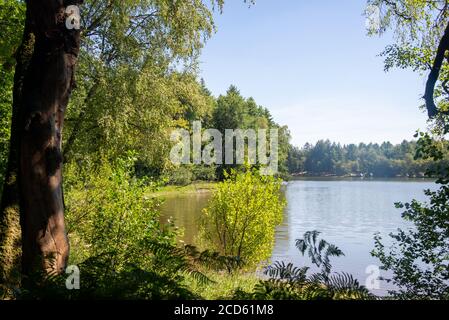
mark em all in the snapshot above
pixel 137 78
pixel 12 17
pixel 240 219
pixel 126 30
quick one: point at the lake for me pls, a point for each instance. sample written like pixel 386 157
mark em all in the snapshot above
pixel 348 212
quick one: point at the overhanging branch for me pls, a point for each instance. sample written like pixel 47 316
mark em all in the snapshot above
pixel 432 109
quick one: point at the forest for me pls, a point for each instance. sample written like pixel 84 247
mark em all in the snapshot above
pixel 89 94
pixel 362 160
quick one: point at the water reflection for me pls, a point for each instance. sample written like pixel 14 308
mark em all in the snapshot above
pixel 185 210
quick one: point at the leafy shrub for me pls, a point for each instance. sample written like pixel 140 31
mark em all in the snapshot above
pixel 204 173
pixel 108 211
pixel 180 176
pixel 241 217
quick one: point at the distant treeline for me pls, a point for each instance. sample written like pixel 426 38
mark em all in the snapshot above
pixel 378 160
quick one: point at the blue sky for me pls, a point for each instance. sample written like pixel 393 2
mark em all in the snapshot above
pixel 312 65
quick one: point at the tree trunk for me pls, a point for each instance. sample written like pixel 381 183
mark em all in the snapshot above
pixel 47 85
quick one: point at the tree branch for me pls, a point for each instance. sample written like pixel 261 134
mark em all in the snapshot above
pixel 432 109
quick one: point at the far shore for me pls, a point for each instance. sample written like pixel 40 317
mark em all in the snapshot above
pixel 209 186
pixel 195 187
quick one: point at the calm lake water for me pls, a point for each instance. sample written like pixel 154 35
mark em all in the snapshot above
pixel 348 212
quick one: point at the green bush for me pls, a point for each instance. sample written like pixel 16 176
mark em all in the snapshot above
pixel 204 173
pixel 241 217
pixel 108 211
pixel 181 176
pixel 116 237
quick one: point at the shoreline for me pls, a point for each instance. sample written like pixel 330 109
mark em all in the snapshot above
pixel 193 188
pixel 209 186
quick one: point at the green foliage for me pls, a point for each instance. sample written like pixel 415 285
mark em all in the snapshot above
pixel 287 282
pixel 117 242
pixel 12 13
pixel 12 17
pixel 241 217
pixel 233 111
pixel 98 281
pixel 114 231
pixel 108 212
pixel 378 160
pixel 137 117
pixel 204 172
pixel 181 176
pixel 185 175
pixel 6 81
pixel 419 256
pixel 339 286
pixel 126 31
pixel 230 110
pixel 229 283
pixel 318 251
pixel 137 79
pixel 295 160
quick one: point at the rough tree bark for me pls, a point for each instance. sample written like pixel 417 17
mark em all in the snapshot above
pixel 47 88
pixel 47 85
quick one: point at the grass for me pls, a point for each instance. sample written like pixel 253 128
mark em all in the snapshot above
pixel 224 285
pixel 195 187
